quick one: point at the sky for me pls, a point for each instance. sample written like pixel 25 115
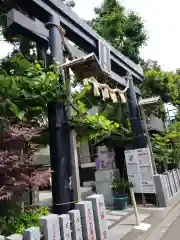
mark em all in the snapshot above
pixel 161 18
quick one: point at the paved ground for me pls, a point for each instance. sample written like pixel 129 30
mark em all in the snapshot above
pixel 165 224
pixel 173 232
pixel 120 223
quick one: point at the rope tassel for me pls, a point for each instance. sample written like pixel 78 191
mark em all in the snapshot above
pixel 113 97
pixel 96 89
pixel 123 98
pixel 107 92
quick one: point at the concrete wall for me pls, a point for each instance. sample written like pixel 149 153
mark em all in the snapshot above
pixel 84 153
pixel 155 124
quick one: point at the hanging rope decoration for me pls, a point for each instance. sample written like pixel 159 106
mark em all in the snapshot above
pixel 106 91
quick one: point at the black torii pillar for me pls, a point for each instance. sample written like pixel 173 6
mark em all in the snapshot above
pixel 139 138
pixel 59 133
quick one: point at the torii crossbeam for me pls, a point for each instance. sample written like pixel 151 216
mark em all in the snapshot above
pixel 36 31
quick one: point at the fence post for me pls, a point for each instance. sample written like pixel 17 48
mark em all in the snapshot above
pixel 50 227
pixel 99 212
pixel 15 237
pixel 76 224
pixel 32 233
pixel 65 227
pixel 87 219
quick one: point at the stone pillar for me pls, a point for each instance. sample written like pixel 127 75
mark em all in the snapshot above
pixel 32 233
pixel 64 221
pixel 76 225
pixel 104 180
pixel 99 212
pixel 87 218
pixel 50 227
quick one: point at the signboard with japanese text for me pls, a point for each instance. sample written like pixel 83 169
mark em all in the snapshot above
pixel 140 171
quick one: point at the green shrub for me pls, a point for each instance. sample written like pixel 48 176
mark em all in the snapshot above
pixel 18 221
pixel 120 186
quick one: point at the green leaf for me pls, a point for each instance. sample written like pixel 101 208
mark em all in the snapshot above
pixel 18 113
pixel 38 66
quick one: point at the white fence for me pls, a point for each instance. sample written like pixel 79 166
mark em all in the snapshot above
pixel 86 222
pixel 167 186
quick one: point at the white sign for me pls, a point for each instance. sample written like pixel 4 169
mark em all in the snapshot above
pixel 140 171
pixel 133 168
pixel 143 157
pixel 130 156
pixel 149 188
pixel 147 175
pixel 137 182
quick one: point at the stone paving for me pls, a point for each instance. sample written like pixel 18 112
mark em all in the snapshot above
pixel 120 223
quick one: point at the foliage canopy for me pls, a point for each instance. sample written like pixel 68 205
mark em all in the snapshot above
pixel 125 30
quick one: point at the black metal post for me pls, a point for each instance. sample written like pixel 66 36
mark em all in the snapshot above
pixel 59 137
pixel 41 54
pixel 139 140
pixel 24 46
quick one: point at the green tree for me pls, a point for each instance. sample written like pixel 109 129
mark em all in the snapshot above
pixel 166 148
pixel 163 84
pixel 125 31
pixel 150 64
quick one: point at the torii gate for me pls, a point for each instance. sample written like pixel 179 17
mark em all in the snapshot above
pixel 43 28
